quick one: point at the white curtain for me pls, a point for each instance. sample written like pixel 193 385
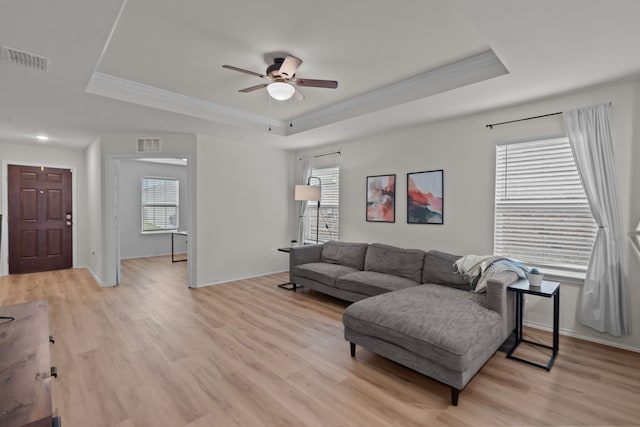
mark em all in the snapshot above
pixel 305 173
pixel 604 305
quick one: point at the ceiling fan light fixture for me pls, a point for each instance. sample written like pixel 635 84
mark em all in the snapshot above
pixel 281 91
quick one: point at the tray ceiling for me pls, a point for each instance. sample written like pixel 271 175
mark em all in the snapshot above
pixel 143 66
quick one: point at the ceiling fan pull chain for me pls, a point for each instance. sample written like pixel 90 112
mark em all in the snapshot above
pixel 269 114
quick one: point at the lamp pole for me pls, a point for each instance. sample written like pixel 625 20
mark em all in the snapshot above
pixel 318 209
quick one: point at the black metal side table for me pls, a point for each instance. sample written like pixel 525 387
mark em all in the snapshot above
pixel 547 290
pixel 173 234
pixel 287 286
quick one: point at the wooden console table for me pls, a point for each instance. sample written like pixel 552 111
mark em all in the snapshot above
pixel 25 366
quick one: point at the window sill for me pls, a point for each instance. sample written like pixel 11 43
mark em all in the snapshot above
pixel 570 277
pixel 146 233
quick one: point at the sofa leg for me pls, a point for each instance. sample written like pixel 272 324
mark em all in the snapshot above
pixel 454 396
pixel 353 349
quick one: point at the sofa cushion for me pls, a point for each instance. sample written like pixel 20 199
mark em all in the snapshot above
pixel 344 253
pixel 372 283
pixel 439 269
pixel 387 259
pixel 322 272
pixel 444 325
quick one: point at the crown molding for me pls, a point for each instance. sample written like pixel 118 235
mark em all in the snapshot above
pixel 474 69
pixel 138 93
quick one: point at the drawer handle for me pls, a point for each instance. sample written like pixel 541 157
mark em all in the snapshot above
pixel 54 372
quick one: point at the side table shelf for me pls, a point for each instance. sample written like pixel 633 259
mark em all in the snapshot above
pixel 547 290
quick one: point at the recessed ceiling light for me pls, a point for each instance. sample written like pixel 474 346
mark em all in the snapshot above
pixel 42 137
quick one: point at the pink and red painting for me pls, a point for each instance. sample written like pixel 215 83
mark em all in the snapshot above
pixel 381 198
pixel 425 197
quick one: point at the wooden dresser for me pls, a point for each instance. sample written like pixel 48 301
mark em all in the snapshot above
pixel 25 367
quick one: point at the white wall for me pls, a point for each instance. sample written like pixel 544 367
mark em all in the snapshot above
pixel 240 206
pixel 41 154
pixel 122 146
pixel 134 244
pixel 465 149
pixel 245 192
pixel 94 231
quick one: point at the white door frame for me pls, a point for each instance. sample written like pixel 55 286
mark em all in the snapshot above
pixel 4 262
pixel 112 242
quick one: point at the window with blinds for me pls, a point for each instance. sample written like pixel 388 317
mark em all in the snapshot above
pixel 159 204
pixel 329 207
pixel 542 216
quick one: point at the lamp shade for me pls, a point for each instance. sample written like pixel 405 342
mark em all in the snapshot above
pixel 307 192
pixel 281 91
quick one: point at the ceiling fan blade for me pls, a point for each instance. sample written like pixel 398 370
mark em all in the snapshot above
pixel 242 70
pixel 289 66
pixel 329 84
pixel 297 95
pixel 252 88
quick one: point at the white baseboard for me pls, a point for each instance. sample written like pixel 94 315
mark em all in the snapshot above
pixel 95 277
pixel 220 282
pixel 597 340
pixel 153 256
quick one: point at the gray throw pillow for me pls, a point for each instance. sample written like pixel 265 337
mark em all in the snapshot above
pixel 344 253
pixel 439 269
pixel 395 261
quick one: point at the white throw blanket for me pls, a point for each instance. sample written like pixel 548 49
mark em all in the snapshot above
pixel 473 266
pixel 484 267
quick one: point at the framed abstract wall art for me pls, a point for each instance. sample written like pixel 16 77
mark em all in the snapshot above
pixel 425 197
pixel 381 198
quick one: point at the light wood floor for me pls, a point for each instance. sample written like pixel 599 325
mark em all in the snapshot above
pixel 152 352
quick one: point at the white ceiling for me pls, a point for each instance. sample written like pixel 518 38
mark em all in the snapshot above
pixel 156 65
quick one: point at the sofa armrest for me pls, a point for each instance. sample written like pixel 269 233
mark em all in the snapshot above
pixel 299 255
pixel 500 300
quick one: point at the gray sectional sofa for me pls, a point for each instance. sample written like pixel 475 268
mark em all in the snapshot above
pixel 411 306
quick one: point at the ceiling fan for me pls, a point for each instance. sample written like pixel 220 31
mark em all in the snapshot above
pixel 282 74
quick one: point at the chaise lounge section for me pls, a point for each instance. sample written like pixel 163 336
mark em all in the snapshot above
pixel 444 333
pixel 411 306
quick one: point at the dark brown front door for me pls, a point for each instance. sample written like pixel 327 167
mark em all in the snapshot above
pixel 40 219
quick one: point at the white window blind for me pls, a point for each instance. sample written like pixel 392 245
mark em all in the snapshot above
pixel 159 204
pixel 329 207
pixel 542 215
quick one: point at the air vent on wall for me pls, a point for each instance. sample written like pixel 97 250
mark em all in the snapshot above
pixel 148 145
pixel 25 59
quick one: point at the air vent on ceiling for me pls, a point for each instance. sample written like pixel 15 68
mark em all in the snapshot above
pixel 25 59
pixel 148 145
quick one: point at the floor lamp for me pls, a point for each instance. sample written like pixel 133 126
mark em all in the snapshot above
pixel 310 192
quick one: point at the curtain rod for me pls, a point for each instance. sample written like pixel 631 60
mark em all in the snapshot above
pixel 491 125
pixel 325 154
